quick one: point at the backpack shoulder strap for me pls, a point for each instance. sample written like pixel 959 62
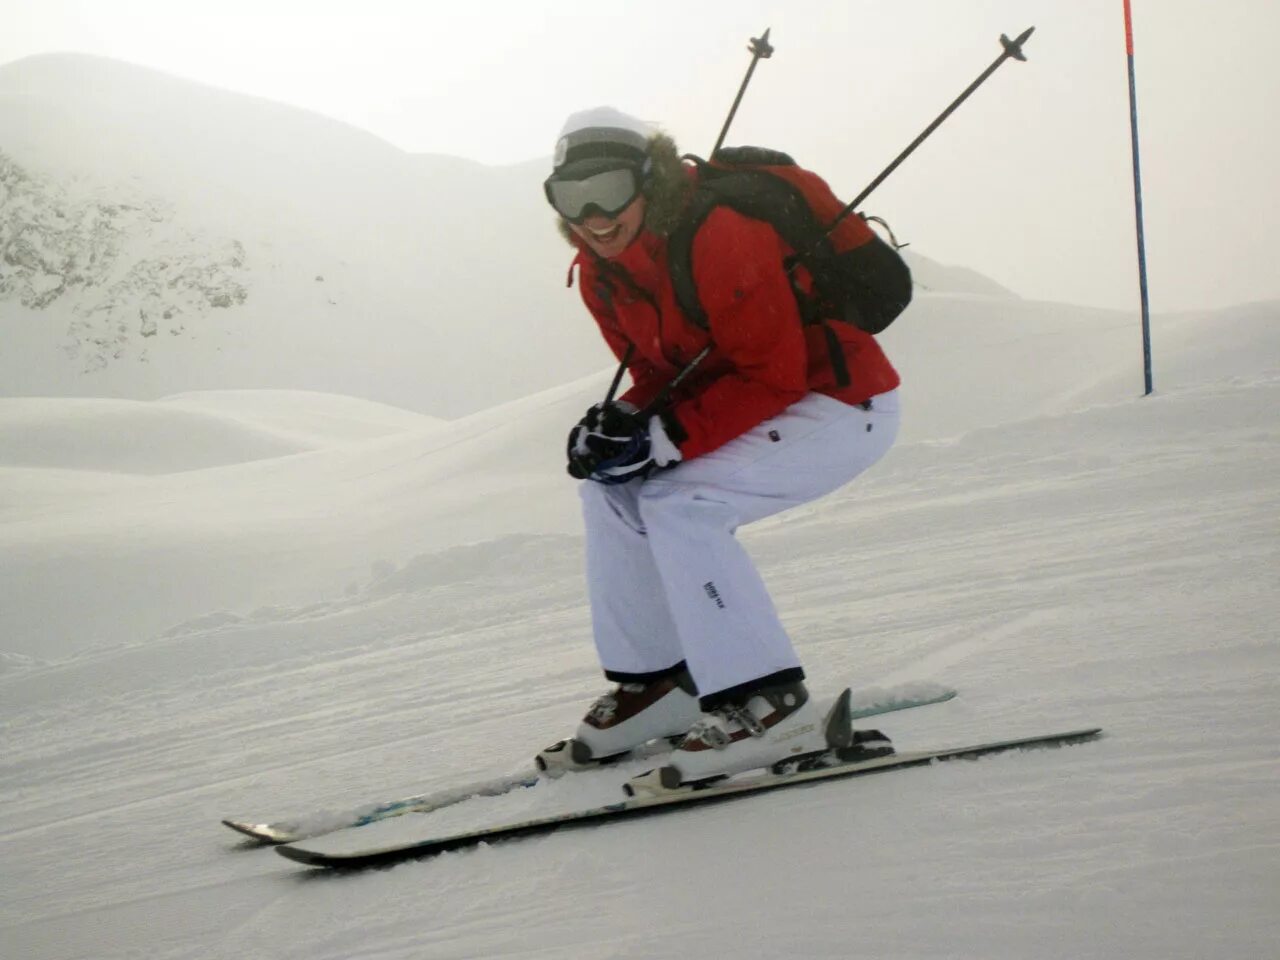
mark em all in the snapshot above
pixel 751 192
pixel 680 243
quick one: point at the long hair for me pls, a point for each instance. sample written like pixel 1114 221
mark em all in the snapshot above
pixel 668 188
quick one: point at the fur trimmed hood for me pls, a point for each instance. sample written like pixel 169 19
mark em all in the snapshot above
pixel 666 191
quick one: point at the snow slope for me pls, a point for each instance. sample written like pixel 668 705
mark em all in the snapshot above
pixel 396 607
pixel 186 432
pixel 283 530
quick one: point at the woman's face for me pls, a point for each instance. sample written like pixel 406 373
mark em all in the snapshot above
pixel 609 236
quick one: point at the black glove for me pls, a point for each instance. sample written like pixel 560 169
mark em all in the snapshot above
pixel 602 434
pixel 611 445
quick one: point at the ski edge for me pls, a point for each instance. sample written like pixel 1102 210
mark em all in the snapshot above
pixel 653 805
pixel 281 832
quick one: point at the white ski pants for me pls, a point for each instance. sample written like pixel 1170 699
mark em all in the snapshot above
pixel 668 580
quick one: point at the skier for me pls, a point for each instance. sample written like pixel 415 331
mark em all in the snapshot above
pixel 777 414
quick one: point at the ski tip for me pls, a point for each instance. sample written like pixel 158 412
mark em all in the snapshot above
pixel 239 826
pixel 875 701
pixel 262 832
pixel 1084 733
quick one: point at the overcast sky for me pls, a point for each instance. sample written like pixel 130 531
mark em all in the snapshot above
pixel 1029 182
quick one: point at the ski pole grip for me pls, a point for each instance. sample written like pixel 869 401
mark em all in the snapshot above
pixel 1013 48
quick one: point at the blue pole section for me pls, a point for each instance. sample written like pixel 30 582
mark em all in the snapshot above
pixel 1137 202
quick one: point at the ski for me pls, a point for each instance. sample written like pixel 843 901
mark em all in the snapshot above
pixel 868 703
pixel 345 850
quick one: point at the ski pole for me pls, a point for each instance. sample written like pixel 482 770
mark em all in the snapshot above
pixel 1012 50
pixel 660 401
pixel 759 49
pixel 617 377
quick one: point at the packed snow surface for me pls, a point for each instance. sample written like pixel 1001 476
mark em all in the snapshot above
pixel 266 605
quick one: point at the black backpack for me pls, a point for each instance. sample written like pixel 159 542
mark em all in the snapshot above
pixel 857 277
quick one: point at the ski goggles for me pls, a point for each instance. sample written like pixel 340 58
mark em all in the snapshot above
pixel 608 192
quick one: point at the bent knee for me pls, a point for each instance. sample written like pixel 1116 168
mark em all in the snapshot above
pixel 612 502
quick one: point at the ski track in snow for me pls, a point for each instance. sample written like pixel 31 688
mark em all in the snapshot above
pixel 1115 565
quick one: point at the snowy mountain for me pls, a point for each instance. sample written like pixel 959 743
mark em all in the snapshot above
pixel 158 236
pixel 123 266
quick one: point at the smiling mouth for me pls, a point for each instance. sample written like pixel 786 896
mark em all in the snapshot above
pixel 606 235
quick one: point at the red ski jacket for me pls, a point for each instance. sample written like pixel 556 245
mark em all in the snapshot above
pixel 763 360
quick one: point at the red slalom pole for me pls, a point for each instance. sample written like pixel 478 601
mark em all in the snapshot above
pixel 1137 202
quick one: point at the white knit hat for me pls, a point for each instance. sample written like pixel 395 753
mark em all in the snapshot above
pixel 601 134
